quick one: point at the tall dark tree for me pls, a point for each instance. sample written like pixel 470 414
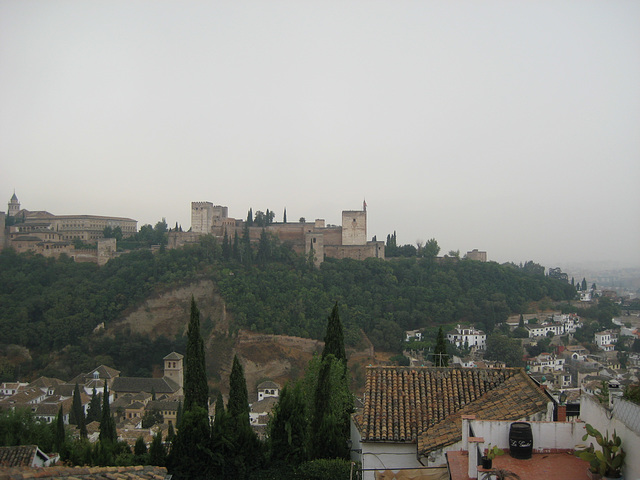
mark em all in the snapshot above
pixel 236 248
pixel 196 389
pixel 60 436
pixel 289 427
pixel 157 452
pixel 264 248
pixel 246 452
pixel 190 456
pixel 521 322
pixel 334 337
pixel 440 356
pixel 284 216
pixel 329 431
pixel 94 412
pixel 221 439
pixel 76 416
pixel 584 284
pixel 108 433
pixel 226 246
pixel 250 217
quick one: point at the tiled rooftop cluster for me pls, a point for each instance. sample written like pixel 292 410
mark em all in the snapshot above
pixel 19 455
pixel 401 403
pixel 85 473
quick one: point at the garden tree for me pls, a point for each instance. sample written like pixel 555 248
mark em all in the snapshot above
pixel 94 411
pixel 196 389
pixel 573 283
pixel 245 252
pixel 454 253
pixel 284 216
pixel 288 427
pixel 504 349
pixel 521 322
pixel 334 338
pixel 593 286
pixel 302 220
pixel 76 416
pixel 152 417
pixel 250 217
pixel 431 248
pixel 246 453
pixel 108 433
pixel 226 246
pixel 157 452
pixel 440 356
pixel 179 414
pixel 584 284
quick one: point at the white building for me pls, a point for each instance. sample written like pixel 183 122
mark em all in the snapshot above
pixel 604 341
pixel 546 362
pixel 413 334
pixel 542 330
pixel 469 337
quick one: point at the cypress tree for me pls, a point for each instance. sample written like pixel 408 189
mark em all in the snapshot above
pixel 77 412
pixel 334 338
pixel 289 427
pixel 157 453
pixel 196 389
pixel 238 404
pixel 246 449
pixel 94 412
pixel 59 431
pixel 108 433
pixel 236 248
pixel 284 217
pixel 440 356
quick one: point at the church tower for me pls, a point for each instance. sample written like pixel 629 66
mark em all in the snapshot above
pixel 173 368
pixel 13 206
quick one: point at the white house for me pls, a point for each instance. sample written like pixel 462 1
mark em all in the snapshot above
pixel 467 336
pixel 413 334
pixel 604 341
pixel 546 362
pixel 268 389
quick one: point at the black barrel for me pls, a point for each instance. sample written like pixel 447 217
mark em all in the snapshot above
pixel 520 440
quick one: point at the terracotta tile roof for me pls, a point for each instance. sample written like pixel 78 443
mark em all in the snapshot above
pixel 516 398
pixel 17 456
pixel 403 404
pixel 85 473
pixel 141 384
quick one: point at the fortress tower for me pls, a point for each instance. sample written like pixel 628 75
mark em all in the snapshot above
pixel 13 206
pixel 354 227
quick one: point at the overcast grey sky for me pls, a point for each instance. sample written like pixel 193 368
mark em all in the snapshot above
pixel 508 126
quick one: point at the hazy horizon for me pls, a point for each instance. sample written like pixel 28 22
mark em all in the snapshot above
pixel 513 128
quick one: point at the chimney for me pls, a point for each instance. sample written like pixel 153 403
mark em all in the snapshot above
pixel 562 413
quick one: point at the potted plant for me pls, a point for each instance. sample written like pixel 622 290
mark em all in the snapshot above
pixel 492 452
pixel 607 461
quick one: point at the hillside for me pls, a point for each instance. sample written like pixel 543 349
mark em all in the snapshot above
pixel 139 301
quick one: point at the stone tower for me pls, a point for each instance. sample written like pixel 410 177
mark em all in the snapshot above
pixel 174 368
pixel 14 206
pixel 354 227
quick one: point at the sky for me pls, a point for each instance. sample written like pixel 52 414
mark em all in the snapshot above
pixel 510 127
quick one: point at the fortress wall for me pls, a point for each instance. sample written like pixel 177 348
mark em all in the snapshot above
pixel 356 252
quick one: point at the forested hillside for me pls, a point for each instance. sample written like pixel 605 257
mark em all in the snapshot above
pixel 54 305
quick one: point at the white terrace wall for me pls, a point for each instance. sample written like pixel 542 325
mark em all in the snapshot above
pixel 623 418
pixel 548 437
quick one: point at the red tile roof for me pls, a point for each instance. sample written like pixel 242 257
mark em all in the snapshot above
pixel 418 404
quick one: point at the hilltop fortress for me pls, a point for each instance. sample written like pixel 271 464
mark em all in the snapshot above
pixel 346 241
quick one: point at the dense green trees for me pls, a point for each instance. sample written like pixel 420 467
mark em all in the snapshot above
pixel 49 305
pixel 440 356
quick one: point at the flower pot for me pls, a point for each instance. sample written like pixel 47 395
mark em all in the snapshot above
pixel 592 475
pixel 487 463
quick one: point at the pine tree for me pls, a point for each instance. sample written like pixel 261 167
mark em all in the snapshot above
pixel 440 357
pixel 334 338
pixel 196 389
